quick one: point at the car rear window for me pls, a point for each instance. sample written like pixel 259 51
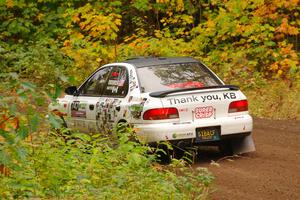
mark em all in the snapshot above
pixel 173 76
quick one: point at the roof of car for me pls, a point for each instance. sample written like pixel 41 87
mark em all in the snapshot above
pixel 150 61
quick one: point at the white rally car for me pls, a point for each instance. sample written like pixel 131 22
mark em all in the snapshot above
pixel 175 99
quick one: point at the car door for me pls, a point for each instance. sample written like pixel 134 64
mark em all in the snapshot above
pixel 114 95
pixel 83 108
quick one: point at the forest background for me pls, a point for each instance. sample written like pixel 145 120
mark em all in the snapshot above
pixel 251 43
pixel 46 45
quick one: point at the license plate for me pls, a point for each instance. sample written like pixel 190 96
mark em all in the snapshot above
pixel 211 133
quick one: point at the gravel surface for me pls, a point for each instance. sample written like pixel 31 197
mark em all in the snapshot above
pixel 272 172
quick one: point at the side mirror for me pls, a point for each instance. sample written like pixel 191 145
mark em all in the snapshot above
pixel 71 90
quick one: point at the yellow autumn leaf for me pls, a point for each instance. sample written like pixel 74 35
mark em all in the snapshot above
pixel 66 43
pixel 210 24
pixel 9 3
pixel 274 66
pixel 40 16
pixel 79 35
pixel 132 45
pixel 95 44
pixel 75 18
pixel 180 5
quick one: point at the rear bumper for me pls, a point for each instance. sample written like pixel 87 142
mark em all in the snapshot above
pixel 230 126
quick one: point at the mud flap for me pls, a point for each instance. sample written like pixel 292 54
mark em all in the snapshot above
pixel 243 145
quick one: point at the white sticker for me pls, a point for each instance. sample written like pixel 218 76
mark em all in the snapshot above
pixel 113 82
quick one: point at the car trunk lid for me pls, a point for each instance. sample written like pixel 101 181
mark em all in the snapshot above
pixel 202 105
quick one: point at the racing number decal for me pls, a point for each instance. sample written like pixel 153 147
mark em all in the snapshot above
pixel 75 105
pixel 78 109
pixel 204 112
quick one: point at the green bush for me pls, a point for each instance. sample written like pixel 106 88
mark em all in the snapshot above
pixel 275 100
pixel 92 167
pixel 69 165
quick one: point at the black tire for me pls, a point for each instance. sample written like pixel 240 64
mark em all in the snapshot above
pixel 164 154
pixel 178 152
pixel 225 148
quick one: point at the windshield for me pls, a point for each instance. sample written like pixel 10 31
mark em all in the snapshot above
pixel 174 76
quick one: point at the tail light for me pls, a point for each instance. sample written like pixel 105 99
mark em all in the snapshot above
pixel 161 113
pixel 238 106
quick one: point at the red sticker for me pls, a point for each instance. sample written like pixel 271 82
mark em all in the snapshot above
pixel 188 84
pixel 115 74
pixel 204 112
pixel 81 114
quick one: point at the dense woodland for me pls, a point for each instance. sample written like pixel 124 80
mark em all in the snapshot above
pixel 251 43
pixel 241 39
pixel 48 44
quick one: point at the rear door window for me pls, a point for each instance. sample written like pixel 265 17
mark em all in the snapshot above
pixel 117 84
pixel 173 76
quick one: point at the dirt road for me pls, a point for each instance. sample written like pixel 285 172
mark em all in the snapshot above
pixel 272 172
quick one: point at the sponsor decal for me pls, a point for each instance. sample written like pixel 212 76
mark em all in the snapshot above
pixel 239 117
pixel 204 112
pixel 115 74
pixel 132 81
pixel 203 98
pixel 121 82
pixel 78 109
pixel 188 84
pixel 114 89
pixel 118 83
pixel 125 113
pixel 106 113
pixel 81 114
pixel 129 99
pixel 182 135
pixel 113 82
pixel 183 109
pixel 137 109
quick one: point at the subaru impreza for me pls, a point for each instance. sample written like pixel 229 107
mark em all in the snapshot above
pixel 176 99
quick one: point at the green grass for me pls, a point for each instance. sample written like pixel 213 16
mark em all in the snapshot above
pixel 275 100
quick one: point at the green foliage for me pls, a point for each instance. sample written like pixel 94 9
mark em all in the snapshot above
pixel 39 62
pixel 277 100
pixel 91 167
pixel 63 164
pixel 18 117
pixel 45 42
pixel 236 38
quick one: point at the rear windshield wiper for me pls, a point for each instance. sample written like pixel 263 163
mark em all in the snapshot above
pixel 166 92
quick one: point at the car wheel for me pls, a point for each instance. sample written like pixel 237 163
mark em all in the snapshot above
pixel 225 148
pixel 178 152
pixel 164 154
